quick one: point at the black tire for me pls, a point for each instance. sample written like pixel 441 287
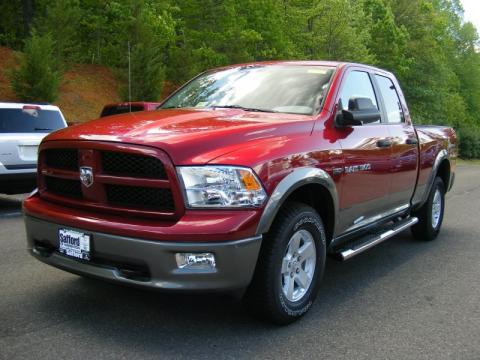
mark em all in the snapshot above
pixel 265 298
pixel 425 229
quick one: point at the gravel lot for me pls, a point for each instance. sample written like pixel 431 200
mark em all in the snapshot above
pixel 401 300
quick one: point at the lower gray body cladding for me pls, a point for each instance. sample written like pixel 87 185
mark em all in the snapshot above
pixel 147 263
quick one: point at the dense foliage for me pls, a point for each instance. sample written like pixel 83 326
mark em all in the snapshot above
pixel 38 77
pixel 426 43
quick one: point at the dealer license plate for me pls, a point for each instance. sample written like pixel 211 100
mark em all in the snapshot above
pixel 74 243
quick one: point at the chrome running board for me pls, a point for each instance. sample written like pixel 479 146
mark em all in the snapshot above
pixel 371 240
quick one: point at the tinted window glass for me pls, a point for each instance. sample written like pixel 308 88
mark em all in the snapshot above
pixel 120 109
pixel 29 120
pixel 356 85
pixel 391 100
pixel 276 88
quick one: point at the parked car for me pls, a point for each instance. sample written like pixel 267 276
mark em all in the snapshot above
pixel 125 107
pixel 22 127
pixel 246 178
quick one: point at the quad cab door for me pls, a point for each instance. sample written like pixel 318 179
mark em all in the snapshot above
pixel 404 162
pixel 367 151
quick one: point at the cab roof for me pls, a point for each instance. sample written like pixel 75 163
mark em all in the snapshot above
pixel 335 64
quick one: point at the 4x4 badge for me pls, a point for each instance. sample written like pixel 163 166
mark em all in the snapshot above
pixel 86 176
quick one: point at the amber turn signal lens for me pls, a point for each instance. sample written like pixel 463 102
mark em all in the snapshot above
pixel 249 180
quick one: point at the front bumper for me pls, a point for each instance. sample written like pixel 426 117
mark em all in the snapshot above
pixel 147 263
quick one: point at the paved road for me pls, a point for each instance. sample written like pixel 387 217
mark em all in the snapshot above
pixel 401 300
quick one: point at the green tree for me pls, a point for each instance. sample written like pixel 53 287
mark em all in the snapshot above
pixel 329 29
pixel 150 33
pixel 262 35
pixel 61 20
pixel 11 26
pixel 207 35
pixel 38 77
pixel 426 43
pixel 467 67
pixel 388 41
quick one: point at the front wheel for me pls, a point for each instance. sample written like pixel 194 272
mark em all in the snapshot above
pixel 290 266
pixel 430 215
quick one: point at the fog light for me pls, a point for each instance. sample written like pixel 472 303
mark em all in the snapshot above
pixel 195 261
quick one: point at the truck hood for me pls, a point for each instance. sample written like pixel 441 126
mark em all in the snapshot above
pixel 189 136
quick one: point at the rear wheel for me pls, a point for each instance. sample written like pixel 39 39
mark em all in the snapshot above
pixel 290 266
pixel 430 215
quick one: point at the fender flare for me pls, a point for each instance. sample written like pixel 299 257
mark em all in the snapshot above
pixel 293 181
pixel 442 155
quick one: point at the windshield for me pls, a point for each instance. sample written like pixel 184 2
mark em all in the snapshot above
pixel 29 120
pixel 274 88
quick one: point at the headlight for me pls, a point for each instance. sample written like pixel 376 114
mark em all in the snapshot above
pixel 221 186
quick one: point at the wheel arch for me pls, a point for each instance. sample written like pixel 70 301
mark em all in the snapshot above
pixel 303 185
pixel 444 172
pixel 441 167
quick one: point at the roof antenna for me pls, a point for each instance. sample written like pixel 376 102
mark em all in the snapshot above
pixel 129 81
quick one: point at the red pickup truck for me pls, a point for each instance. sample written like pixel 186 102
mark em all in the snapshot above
pixel 245 178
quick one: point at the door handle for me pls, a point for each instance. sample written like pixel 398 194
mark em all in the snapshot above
pixel 411 141
pixel 384 143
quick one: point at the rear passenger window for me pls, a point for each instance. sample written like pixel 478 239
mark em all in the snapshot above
pixel 393 106
pixel 356 85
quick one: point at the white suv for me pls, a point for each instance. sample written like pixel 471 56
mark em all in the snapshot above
pixel 22 128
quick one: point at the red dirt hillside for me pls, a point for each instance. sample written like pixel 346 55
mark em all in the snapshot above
pixel 7 61
pixel 84 90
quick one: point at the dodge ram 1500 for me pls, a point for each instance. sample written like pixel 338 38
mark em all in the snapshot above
pixel 246 177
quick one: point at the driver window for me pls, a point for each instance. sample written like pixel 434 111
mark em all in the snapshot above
pixel 357 84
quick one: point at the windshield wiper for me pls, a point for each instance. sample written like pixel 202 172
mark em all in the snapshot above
pixel 40 129
pixel 226 107
pixel 243 108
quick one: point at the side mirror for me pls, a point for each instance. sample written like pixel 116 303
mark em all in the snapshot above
pixel 360 111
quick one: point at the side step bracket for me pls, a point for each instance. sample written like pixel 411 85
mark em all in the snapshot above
pixel 371 240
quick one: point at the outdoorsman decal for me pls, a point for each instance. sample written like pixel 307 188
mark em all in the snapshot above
pixel 355 168
pixel 352 168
